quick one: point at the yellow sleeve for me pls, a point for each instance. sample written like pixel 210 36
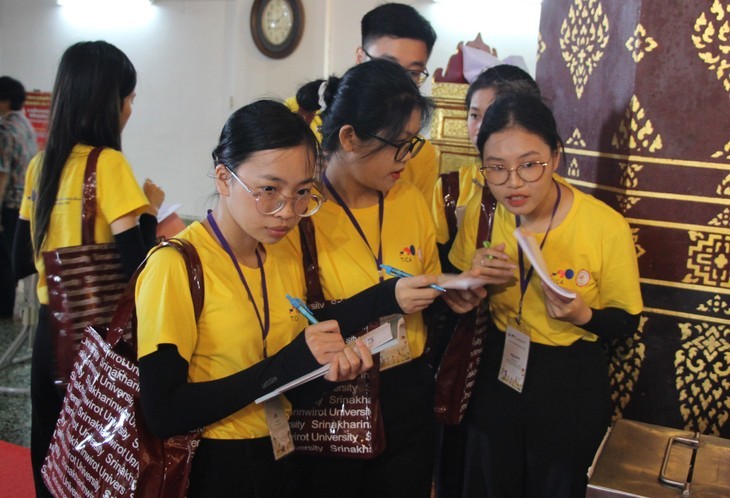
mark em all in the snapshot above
pixel 465 242
pixel 437 211
pixel 165 313
pixel 619 278
pixel 117 191
pixel 26 205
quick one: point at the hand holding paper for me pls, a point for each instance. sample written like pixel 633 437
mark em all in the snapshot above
pixel 532 251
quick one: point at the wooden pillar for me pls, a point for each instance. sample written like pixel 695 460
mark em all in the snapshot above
pixel 641 92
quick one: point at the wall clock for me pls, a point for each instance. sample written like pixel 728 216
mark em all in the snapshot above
pixel 277 26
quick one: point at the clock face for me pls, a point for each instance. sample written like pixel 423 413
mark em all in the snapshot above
pixel 277 26
pixel 277 21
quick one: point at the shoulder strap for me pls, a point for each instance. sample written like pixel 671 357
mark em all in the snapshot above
pixel 486 221
pixel 126 308
pixel 315 294
pixel 88 198
pixel 450 192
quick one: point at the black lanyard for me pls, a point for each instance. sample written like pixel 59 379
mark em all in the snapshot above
pixel 265 323
pixel 381 208
pixel 525 279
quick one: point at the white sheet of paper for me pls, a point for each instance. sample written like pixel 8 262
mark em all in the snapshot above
pixel 166 210
pixel 462 281
pixel 532 251
pixel 377 340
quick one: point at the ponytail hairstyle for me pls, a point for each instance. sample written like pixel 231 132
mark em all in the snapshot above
pixel 376 97
pixel 92 81
pixel 520 110
pixel 263 125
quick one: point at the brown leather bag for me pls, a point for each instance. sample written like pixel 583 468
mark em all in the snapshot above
pixel 458 366
pixel 101 445
pixel 84 282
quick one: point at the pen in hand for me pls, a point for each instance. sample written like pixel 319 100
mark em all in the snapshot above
pixel 487 244
pixel 400 273
pixel 302 308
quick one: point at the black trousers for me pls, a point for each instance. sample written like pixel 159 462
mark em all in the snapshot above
pixel 405 468
pixel 8 283
pixel 538 443
pixel 45 399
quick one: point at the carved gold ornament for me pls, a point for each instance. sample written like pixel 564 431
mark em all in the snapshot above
pixel 640 44
pixel 635 131
pixel 717 305
pixel 624 368
pixel 541 46
pixel 724 153
pixel 626 202
pixel 722 219
pixel 583 37
pixel 703 376
pixel 708 259
pixel 724 187
pixel 712 40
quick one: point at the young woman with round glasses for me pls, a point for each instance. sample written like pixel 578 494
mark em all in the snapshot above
pixel 248 340
pixel 535 433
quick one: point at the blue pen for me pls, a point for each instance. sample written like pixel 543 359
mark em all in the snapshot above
pixel 302 308
pixel 400 273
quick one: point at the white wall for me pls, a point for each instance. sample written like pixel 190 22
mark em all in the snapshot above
pixel 196 62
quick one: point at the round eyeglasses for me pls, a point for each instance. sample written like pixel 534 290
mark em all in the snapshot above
pixel 413 146
pixel 419 76
pixel 271 202
pixel 528 172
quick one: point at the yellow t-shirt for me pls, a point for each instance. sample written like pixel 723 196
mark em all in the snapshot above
pixel 227 338
pixel 467 188
pixel 422 170
pixel 117 194
pixel 591 253
pixel 347 265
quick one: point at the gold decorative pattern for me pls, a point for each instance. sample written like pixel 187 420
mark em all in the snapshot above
pixel 716 305
pixel 708 259
pixel 628 174
pixel 721 220
pixel 636 132
pixel 725 152
pixel 576 139
pixel 703 376
pixel 635 236
pixel 573 168
pixel 625 202
pixel 541 46
pixel 712 41
pixel 624 367
pixel 640 44
pixel 583 38
pixel 724 187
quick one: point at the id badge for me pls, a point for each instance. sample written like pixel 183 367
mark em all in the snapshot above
pixel 399 354
pixel 513 368
pixel 278 422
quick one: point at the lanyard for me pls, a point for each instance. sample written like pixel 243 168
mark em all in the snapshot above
pixel 525 278
pixel 381 208
pixel 265 323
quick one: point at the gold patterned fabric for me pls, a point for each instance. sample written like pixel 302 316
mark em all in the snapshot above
pixel 641 93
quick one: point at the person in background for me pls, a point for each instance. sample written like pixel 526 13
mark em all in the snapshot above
pixel 17 148
pixel 248 340
pixel 90 105
pixel 490 84
pixel 398 33
pixel 535 432
pixel 371 120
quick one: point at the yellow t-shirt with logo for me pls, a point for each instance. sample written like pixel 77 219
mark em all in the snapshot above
pixel 117 194
pixel 347 265
pixel 470 184
pixel 227 338
pixel 591 253
pixel 422 170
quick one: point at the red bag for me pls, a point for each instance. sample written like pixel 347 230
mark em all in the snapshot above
pixel 458 366
pixel 101 446
pixel 347 422
pixel 84 282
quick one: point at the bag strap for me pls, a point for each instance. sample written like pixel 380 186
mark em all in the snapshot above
pixel 315 294
pixel 126 308
pixel 486 222
pixel 450 193
pixel 88 198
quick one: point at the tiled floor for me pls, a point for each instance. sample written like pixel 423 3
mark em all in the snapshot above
pixel 15 375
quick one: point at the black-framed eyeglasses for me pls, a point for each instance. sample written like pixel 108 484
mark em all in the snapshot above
pixel 271 202
pixel 419 77
pixel 413 146
pixel 498 175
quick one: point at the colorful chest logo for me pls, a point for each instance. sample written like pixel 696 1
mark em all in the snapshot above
pixel 581 278
pixel 409 252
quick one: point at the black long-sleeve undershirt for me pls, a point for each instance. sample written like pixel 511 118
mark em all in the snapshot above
pixel 611 323
pixel 172 405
